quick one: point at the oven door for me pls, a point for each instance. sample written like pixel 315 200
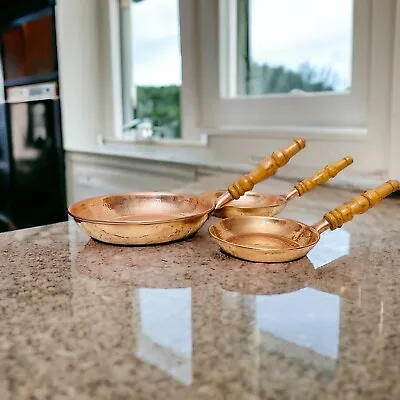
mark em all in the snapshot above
pixel 36 161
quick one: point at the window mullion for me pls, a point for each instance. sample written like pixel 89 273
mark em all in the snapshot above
pixel 228 31
pixel 126 61
pixel 243 47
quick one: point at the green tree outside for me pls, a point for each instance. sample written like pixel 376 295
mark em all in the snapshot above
pixel 265 79
pixel 161 105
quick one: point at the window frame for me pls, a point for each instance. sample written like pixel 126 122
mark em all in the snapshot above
pixel 317 110
pixel 394 141
pixel 189 87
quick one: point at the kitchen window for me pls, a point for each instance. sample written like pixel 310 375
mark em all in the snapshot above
pixel 301 65
pixel 151 68
pixel 157 52
pixel 353 119
pixel 288 46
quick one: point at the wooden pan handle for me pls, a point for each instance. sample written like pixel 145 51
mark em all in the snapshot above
pixel 360 204
pixel 265 168
pixel 322 176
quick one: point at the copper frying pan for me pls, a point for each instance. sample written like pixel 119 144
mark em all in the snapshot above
pixel 155 218
pixel 265 204
pixel 269 239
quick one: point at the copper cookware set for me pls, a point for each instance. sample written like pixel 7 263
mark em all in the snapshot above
pixel 247 228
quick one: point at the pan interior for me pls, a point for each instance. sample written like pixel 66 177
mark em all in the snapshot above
pixel 264 233
pixel 253 200
pixel 262 240
pixel 141 207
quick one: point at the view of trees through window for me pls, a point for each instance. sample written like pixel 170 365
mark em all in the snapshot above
pixel 161 106
pixel 283 47
pixel 267 79
pixel 157 65
pixel 292 45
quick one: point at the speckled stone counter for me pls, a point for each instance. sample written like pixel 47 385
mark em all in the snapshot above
pixel 84 320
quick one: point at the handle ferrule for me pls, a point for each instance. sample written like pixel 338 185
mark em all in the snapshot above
pixel 266 168
pixel 322 176
pixel 360 204
pixel 222 200
pixel 292 194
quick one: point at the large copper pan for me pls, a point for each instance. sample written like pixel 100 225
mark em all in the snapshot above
pixel 155 218
pixel 268 205
pixel 270 239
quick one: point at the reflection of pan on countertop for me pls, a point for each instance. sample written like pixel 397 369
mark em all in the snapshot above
pixel 259 279
pixel 268 205
pixel 150 267
pixel 158 268
pixel 155 218
pixel 269 239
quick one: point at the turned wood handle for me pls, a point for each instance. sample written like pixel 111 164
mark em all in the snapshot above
pixel 360 204
pixel 265 168
pixel 322 176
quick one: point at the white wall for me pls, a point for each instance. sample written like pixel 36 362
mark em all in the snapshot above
pixel 81 70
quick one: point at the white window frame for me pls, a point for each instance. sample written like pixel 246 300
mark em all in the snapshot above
pixel 310 110
pixel 294 109
pixel 357 124
pixel 189 88
pixel 394 142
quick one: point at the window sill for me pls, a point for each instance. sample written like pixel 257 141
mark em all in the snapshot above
pixel 288 132
pixel 199 157
pixel 204 160
pixel 164 142
pixel 323 133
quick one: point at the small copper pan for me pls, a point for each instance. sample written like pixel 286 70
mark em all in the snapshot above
pixel 269 239
pixel 154 218
pixel 268 205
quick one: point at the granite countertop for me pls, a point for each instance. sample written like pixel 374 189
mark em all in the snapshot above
pixel 84 320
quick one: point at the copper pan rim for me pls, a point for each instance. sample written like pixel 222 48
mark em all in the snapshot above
pixel 271 250
pixel 278 200
pixel 79 219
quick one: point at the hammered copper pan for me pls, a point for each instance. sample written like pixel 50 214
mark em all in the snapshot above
pixel 268 205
